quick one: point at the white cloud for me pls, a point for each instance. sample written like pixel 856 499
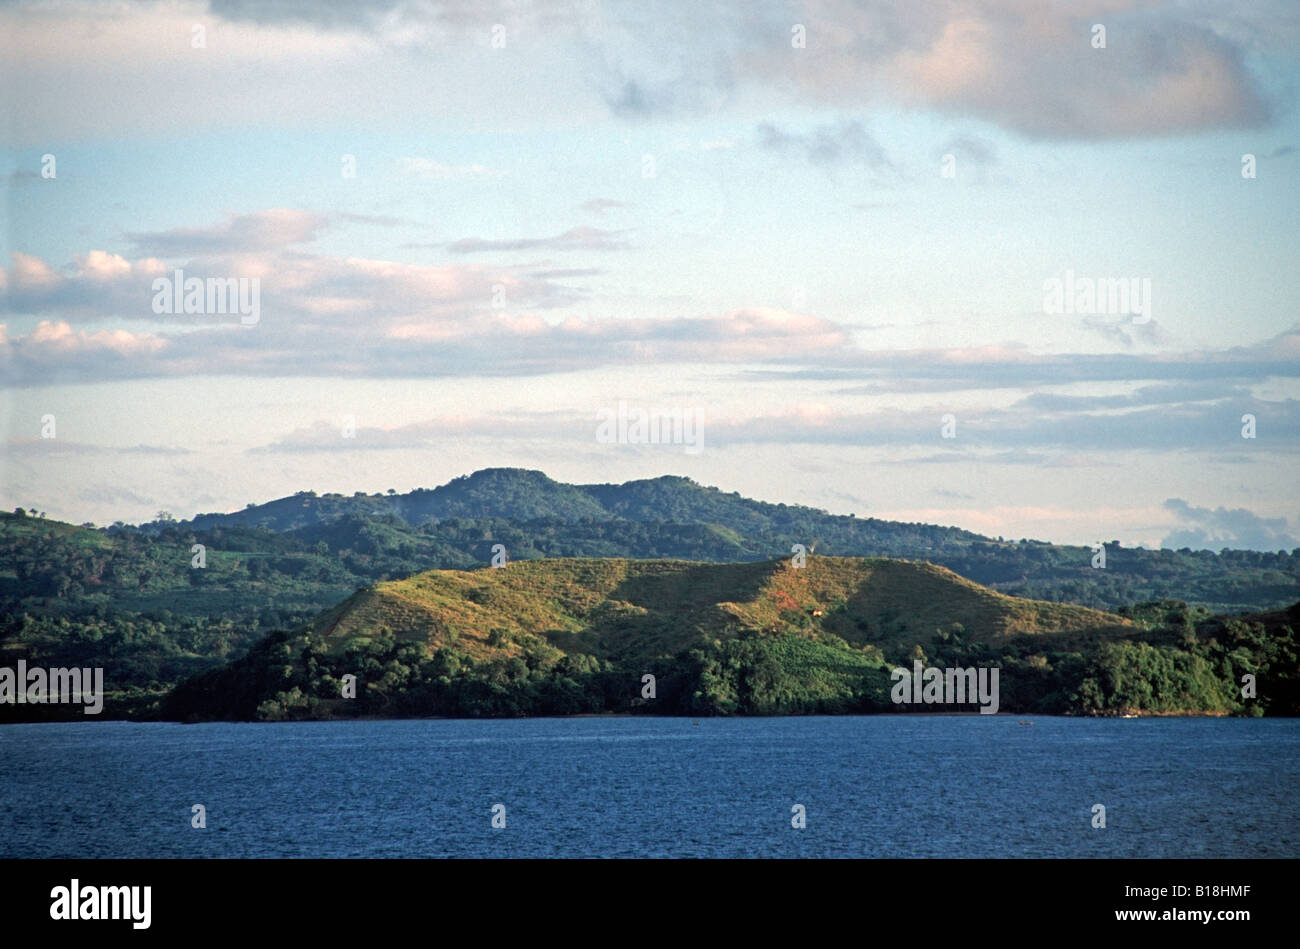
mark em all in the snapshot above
pixel 1206 529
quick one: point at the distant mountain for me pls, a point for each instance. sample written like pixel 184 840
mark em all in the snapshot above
pixel 519 495
pixel 535 516
pixel 550 637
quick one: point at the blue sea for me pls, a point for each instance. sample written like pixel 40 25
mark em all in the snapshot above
pixel 869 786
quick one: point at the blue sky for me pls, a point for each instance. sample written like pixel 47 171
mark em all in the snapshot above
pixel 679 211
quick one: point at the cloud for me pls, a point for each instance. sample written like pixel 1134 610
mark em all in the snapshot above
pixel 1016 366
pixel 312 290
pixel 73 71
pixel 1143 397
pixel 644 62
pixel 1028 66
pixel 363 317
pixel 576 238
pixel 40 447
pixel 325 316
pixel 1025 65
pixel 274 229
pixel 1122 330
pixel 367 14
pixel 1025 433
pixel 829 144
pixel 54 352
pixel 804 424
pixel 393 18
pixel 1215 529
pixel 433 433
pixel 95 284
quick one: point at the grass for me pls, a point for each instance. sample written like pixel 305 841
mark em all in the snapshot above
pixel 628 609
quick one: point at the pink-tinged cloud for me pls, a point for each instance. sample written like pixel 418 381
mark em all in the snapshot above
pixel 59 337
pixel 1028 65
pixel 321 315
pixel 293 285
pixel 55 352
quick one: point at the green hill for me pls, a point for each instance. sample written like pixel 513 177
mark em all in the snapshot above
pixel 634 610
pixel 555 637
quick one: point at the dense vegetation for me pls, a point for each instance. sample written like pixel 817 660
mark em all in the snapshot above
pixel 568 637
pixel 128 599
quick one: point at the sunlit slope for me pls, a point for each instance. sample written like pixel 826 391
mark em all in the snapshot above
pixel 624 609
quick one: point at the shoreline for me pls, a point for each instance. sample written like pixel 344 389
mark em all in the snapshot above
pixel 1026 718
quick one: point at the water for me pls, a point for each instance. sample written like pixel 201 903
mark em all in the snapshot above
pixel 872 786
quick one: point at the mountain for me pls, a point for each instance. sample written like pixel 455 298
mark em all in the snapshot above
pixel 513 494
pixel 553 637
pixel 521 496
pixel 455 525
pixel 130 600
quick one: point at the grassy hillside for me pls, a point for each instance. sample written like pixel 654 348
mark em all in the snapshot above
pixel 636 609
pixel 551 637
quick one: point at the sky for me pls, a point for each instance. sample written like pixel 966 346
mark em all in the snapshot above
pixel 1019 266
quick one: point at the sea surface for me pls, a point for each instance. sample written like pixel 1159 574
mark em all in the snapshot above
pixel 870 786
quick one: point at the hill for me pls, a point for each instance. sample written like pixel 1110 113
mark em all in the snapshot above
pixel 520 495
pixel 636 610
pixel 551 637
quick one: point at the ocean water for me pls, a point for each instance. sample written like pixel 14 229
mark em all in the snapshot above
pixel 870 786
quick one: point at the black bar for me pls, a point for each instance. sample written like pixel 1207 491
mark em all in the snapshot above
pixel 652 900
